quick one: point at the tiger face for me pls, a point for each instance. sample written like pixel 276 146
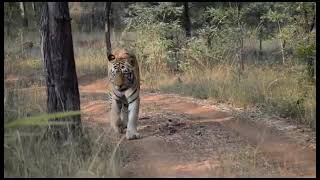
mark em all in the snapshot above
pixel 122 72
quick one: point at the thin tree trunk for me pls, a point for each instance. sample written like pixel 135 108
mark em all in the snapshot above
pixel 33 7
pixel 58 56
pixel 23 14
pixel 281 44
pixel 240 38
pixel 209 42
pixel 25 24
pixel 107 27
pixel 21 43
pixel 313 27
pixel 306 20
pixel 187 19
pixel 241 55
pixel 35 13
pixel 38 7
pixel 260 48
pixel 260 44
pixel 116 28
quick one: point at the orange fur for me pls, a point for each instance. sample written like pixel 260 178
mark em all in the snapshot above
pixel 125 55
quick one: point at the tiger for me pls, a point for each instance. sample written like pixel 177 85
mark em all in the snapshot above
pixel 124 76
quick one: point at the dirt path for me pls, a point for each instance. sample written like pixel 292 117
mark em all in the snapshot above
pixel 185 137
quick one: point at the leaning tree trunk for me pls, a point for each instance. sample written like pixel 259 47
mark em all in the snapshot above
pixel 107 27
pixel 61 77
pixel 187 19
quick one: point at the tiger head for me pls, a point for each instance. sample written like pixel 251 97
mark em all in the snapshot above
pixel 122 70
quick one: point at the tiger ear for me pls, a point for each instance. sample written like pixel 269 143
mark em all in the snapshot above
pixel 111 57
pixel 132 60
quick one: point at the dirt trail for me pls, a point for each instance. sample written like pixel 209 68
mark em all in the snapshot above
pixel 184 137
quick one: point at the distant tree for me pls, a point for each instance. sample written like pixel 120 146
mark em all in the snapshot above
pixel 58 56
pixel 23 14
pixel 278 14
pixel 239 7
pixel 187 19
pixel 107 27
pixel 33 6
pixel 12 12
pixel 262 28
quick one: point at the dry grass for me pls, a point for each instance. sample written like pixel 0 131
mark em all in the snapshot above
pixel 91 62
pixel 30 151
pixel 30 154
pixel 274 89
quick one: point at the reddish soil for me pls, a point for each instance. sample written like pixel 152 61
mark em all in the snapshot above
pixel 186 137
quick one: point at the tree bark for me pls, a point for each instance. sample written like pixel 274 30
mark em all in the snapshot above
pixel 187 19
pixel 38 7
pixel 107 27
pixel 58 56
pixel 23 14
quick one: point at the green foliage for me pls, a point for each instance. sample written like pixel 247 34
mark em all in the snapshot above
pixel 158 34
pixel 295 21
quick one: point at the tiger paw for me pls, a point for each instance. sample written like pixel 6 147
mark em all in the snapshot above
pixel 131 136
pixel 124 125
pixel 119 129
pixel 122 130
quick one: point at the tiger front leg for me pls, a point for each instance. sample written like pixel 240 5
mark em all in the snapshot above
pixel 124 115
pixel 132 132
pixel 116 123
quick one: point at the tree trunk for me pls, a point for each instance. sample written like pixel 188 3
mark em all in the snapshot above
pixel 306 20
pixel 281 44
pixel 61 77
pixel 260 48
pixel 260 44
pixel 38 7
pixel 209 42
pixel 241 56
pixel 239 7
pixel 107 27
pixel 313 27
pixel 115 12
pixel 23 14
pixel 111 23
pixel 187 19
pixel 33 7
